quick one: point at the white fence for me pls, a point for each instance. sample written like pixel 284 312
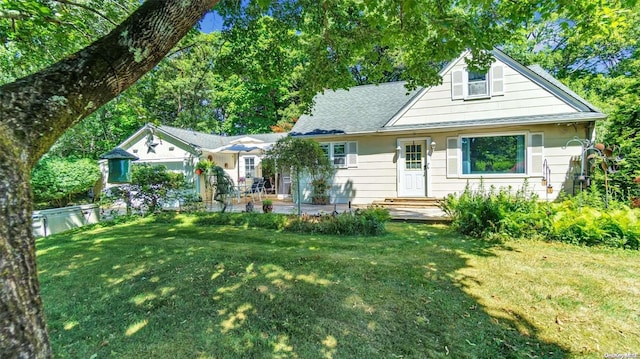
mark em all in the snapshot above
pixel 51 221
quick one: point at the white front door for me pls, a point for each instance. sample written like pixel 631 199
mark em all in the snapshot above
pixel 412 168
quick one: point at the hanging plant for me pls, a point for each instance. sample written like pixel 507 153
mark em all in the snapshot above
pixel 203 166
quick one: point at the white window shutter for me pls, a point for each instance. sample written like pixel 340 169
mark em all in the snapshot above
pixel 457 85
pixel 536 156
pixel 497 80
pixel 452 157
pixel 352 154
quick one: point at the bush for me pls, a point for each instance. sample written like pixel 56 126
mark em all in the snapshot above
pixel 619 228
pixel 484 213
pixel 59 181
pixel 252 219
pixel 370 221
pixel 582 219
pixel 151 188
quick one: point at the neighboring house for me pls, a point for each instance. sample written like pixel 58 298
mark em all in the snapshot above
pixel 180 150
pixel 504 127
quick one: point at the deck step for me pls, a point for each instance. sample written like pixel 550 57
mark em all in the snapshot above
pixel 409 202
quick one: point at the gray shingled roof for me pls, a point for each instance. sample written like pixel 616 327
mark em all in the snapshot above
pixel 368 108
pixel 359 109
pixel 210 141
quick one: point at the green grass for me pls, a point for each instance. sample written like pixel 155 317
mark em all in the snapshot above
pixel 174 289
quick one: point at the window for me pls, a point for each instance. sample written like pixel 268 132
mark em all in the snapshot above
pixel 493 155
pixel 477 84
pixel 413 156
pixel 341 154
pixel 249 167
pixel 471 85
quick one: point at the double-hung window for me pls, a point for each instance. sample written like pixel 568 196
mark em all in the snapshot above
pixel 250 167
pixel 341 154
pixel 472 85
pixel 477 84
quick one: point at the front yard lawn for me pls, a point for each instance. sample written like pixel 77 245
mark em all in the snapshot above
pixel 174 289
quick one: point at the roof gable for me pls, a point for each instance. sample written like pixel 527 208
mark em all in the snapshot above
pixel 530 93
pixel 193 140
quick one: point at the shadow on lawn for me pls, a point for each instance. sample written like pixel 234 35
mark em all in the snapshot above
pixel 168 291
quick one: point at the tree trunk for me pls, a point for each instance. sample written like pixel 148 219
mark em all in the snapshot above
pixel 34 112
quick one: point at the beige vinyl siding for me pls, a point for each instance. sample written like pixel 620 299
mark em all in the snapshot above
pixel 558 159
pixel 375 177
pixel 521 97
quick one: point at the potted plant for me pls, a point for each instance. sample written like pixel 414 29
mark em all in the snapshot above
pixel 267 206
pixel 320 191
pixel 203 166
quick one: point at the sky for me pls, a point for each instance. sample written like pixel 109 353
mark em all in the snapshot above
pixel 211 22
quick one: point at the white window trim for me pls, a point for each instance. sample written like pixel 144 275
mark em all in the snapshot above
pixel 255 166
pixel 466 82
pixel 465 88
pixel 527 155
pixel 491 81
pixel 350 159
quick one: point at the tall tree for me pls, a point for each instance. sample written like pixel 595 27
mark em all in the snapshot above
pixel 36 110
pixel 596 52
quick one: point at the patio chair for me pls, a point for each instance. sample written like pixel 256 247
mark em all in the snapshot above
pixel 257 187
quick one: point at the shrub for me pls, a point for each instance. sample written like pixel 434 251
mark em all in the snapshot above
pixel 59 181
pixel 252 219
pixel 484 213
pixel 619 228
pixel 370 221
pixel 151 188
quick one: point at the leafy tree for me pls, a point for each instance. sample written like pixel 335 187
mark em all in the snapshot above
pixel 595 51
pixel 302 157
pixel 37 109
pixel 57 181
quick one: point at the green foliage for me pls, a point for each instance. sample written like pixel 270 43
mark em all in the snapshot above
pixel 252 219
pixel 204 165
pixel 57 181
pixel 586 225
pixel 37 33
pixel 362 222
pixel 303 157
pixel 151 187
pixel 593 48
pixel 582 219
pixel 484 213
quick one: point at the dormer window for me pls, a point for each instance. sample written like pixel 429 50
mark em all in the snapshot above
pixel 472 85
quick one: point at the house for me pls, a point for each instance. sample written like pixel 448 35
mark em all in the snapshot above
pixel 180 150
pixel 506 126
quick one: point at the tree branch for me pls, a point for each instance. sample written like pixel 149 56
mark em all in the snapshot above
pixel 88 8
pixel 40 107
